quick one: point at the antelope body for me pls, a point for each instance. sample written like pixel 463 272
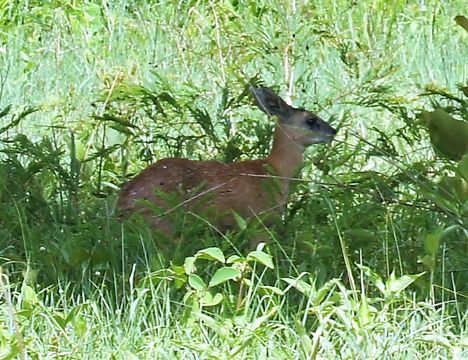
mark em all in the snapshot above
pixel 214 190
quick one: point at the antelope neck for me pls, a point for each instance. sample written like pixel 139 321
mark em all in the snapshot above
pixel 286 155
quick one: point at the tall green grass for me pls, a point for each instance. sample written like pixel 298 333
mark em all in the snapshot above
pixel 295 321
pixel 98 90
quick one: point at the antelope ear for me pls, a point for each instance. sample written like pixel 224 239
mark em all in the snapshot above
pixel 270 103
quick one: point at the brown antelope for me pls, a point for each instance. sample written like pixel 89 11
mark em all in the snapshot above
pixel 214 190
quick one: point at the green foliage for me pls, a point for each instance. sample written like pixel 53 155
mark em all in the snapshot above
pixel 204 293
pixel 93 92
pixel 299 318
pixel 376 184
pixel 448 136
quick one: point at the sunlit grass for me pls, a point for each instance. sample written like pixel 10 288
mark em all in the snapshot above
pixel 146 323
pixel 119 85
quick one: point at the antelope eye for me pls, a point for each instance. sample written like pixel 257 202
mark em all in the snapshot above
pixel 311 121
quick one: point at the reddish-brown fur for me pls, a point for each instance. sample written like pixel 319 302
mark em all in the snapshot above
pixel 214 190
pixel 223 187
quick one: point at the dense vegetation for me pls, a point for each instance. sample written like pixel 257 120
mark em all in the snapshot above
pixel 372 259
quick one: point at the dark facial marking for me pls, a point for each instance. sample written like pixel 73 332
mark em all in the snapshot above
pixel 312 121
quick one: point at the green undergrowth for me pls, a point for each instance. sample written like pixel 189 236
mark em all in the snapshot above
pixel 235 314
pixel 370 261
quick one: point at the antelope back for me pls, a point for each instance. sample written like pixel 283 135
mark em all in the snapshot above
pixel 210 189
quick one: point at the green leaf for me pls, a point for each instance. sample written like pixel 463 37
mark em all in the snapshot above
pixel 374 277
pixel 30 297
pixel 453 189
pixel 209 321
pixel 437 339
pixel 462 21
pixel 189 265
pixel 258 322
pixel 432 241
pixel 428 261
pixel 321 293
pixel 10 351
pixel 304 338
pixel 272 290
pixel 360 234
pixel 224 274
pixel 210 300
pixel 196 282
pixel 114 137
pixel 364 317
pixel 463 167
pixel 79 325
pixel 449 136
pixel 234 259
pixel 464 90
pixel 178 270
pixel 180 281
pixel 399 284
pixel 240 221
pixel 179 276
pixel 464 341
pixel 5 111
pixel 60 320
pixel 261 257
pixel 212 253
pixel 300 285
